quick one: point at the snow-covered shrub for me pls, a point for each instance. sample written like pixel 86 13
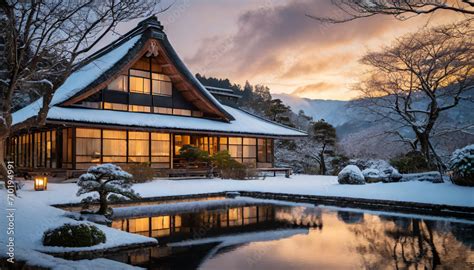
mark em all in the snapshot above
pixel 105 179
pixel 373 175
pixel 72 235
pixel 461 164
pixel 337 163
pixel 228 168
pixel 433 177
pixel 392 175
pixel 351 175
pixel 378 169
pixel 142 172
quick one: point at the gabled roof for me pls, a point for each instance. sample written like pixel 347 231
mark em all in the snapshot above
pixel 95 72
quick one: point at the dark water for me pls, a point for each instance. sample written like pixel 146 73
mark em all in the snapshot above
pixel 295 237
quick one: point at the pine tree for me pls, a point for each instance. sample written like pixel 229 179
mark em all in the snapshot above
pixel 303 120
pixel 279 112
pixel 247 94
pixel 106 179
pixel 324 135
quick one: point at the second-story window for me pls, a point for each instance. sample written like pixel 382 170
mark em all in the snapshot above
pixel 119 84
pixel 161 84
pixel 139 81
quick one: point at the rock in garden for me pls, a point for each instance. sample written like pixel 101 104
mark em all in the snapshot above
pixel 392 175
pixel 373 175
pixel 351 175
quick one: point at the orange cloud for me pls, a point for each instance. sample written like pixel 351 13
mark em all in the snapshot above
pixel 279 46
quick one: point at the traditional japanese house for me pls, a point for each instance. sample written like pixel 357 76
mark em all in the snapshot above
pixel 134 101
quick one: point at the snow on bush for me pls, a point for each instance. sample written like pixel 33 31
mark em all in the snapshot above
pixel 373 175
pixel 352 175
pixel 379 169
pixel 392 175
pixel 105 179
pixel 434 177
pixel 461 164
pixel 74 235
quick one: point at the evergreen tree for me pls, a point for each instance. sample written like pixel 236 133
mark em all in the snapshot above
pixel 247 94
pixel 302 120
pixel 323 134
pixel 279 112
pixel 106 179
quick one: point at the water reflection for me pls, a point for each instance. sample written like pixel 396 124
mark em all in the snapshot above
pixel 410 244
pixel 289 237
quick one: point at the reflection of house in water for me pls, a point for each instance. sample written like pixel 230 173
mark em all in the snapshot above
pixel 185 239
pixel 177 227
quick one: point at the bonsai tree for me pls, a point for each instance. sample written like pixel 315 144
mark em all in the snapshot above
pixel 106 179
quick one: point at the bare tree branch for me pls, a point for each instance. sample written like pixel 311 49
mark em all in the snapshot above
pixel 350 10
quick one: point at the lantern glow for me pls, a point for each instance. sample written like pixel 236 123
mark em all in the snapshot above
pixel 41 183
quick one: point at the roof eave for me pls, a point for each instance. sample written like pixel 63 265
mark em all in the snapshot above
pixel 193 131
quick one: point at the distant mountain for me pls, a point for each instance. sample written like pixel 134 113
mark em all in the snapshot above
pixel 334 112
pixel 359 135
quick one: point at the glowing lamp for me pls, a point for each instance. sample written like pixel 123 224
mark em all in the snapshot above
pixel 41 183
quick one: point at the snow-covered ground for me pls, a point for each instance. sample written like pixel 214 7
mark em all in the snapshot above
pixel 34 258
pixel 423 192
pixel 34 215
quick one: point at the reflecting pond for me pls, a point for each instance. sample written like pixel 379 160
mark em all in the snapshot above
pixel 269 236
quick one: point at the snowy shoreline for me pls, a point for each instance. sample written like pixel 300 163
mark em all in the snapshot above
pixel 413 191
pixel 35 206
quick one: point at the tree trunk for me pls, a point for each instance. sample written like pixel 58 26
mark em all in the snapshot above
pixel 425 147
pixel 429 153
pixel 322 164
pixel 103 203
pixel 3 166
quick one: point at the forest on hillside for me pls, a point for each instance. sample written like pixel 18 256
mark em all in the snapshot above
pixel 316 154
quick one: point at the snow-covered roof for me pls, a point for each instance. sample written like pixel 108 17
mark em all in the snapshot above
pixel 87 74
pixel 219 89
pixel 78 80
pixel 244 123
pixel 93 70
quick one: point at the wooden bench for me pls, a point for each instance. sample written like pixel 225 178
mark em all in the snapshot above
pixel 287 171
pixel 189 172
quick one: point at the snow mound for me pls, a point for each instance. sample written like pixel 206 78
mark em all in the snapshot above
pixel 377 170
pixel 434 177
pixel 351 175
pixel 373 175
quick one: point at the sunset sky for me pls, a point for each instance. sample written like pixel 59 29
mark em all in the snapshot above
pixel 274 43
